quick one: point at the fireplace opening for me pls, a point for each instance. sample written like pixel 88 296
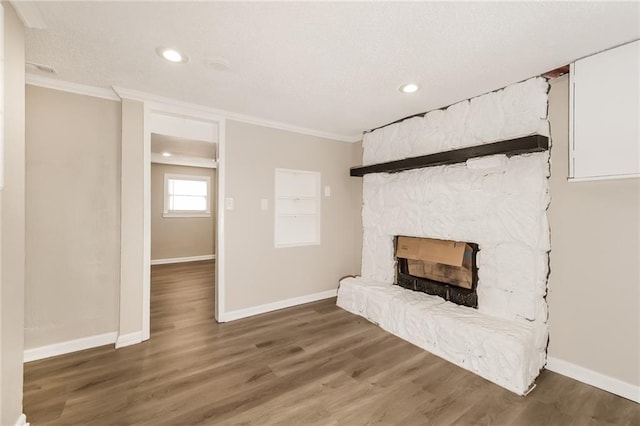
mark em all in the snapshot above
pixel 438 267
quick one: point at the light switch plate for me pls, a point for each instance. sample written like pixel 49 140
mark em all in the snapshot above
pixel 228 203
pixel 327 191
pixel 264 204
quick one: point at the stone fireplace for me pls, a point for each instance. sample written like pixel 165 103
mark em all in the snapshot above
pixel 497 202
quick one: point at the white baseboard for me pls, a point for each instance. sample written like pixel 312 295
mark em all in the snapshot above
pixel 593 378
pixel 129 339
pixel 182 259
pixel 22 420
pixel 269 307
pixel 69 346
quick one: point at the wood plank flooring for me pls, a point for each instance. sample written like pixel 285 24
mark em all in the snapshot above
pixel 307 365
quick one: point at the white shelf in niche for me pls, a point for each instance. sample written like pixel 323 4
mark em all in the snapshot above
pixel 297 208
pixel 289 206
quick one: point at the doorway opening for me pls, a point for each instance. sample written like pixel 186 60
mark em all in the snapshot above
pixel 191 141
pixel 183 227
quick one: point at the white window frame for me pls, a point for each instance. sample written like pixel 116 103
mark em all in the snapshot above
pixel 186 213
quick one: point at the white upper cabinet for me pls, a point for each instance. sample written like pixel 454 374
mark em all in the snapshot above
pixel 605 115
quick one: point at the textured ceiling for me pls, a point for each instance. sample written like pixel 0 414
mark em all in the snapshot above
pixel 332 67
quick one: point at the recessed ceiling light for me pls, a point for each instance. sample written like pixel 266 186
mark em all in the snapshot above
pixel 409 88
pixel 172 55
pixel 166 154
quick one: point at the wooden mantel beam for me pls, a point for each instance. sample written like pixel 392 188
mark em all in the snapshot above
pixel 523 145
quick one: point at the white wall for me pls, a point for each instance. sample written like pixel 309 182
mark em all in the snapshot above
pixel 256 272
pixel 73 216
pixel 594 285
pixel 12 213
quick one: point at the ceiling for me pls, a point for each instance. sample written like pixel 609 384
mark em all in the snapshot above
pixel 331 67
pixel 182 147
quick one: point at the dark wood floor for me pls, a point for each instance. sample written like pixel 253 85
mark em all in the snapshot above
pixel 313 364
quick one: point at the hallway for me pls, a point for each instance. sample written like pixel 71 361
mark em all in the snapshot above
pixel 182 294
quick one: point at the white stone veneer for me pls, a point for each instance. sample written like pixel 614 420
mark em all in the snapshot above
pixel 497 202
pixel 516 110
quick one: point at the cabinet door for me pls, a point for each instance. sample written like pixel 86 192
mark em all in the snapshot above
pixel 605 113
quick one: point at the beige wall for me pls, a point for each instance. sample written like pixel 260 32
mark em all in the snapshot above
pixel 173 237
pixel 73 216
pixel 132 220
pixel 256 272
pixel 594 286
pixel 356 194
pixel 12 214
pixel 356 154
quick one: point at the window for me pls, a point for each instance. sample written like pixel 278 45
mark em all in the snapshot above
pixel 187 196
pixel 297 208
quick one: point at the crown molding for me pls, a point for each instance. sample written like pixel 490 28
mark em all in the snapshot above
pixel 116 93
pixel 65 86
pixel 136 95
pixel 169 105
pixel 29 13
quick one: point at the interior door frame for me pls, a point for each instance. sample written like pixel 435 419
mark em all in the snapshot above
pixel 185 112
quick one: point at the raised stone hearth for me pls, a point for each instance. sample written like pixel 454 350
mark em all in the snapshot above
pixel 498 350
pixel 497 202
